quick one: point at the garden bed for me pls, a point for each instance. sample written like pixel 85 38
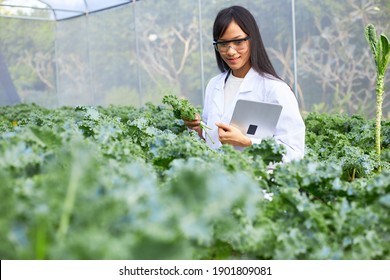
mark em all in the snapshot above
pixel 127 183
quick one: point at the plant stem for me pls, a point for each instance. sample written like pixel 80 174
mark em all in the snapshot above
pixel 353 175
pixel 75 177
pixel 205 128
pixel 379 100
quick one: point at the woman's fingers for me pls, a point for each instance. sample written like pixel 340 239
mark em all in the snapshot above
pixel 231 135
pixel 193 123
pixel 222 126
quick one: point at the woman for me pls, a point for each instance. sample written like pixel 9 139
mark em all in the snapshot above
pixel 247 73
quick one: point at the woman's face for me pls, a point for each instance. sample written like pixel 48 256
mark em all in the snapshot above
pixel 237 56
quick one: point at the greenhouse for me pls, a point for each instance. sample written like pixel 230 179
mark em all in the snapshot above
pixel 56 53
pixel 105 115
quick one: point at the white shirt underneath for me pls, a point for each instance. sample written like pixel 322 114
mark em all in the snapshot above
pixel 231 90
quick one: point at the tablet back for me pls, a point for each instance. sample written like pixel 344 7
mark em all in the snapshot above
pixel 256 119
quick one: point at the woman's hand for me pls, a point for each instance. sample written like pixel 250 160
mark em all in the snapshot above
pixel 232 135
pixel 194 125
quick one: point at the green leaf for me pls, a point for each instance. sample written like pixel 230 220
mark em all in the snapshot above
pixel 182 108
pixel 372 40
pixel 268 150
pixel 385 52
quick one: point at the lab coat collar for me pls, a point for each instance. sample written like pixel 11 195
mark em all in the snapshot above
pixel 247 85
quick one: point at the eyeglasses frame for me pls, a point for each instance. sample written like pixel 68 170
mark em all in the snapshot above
pixel 215 43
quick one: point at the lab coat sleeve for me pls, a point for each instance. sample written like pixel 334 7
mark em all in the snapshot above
pixel 290 130
pixel 205 109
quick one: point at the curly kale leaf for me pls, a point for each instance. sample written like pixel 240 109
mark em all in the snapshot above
pixel 182 108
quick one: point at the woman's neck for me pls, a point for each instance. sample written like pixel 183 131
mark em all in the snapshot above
pixel 241 73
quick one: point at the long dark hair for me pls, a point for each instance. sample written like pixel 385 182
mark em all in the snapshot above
pixel 258 56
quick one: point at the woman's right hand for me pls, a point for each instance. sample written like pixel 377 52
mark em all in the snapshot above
pixel 194 124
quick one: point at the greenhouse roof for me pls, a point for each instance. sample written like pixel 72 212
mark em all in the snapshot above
pixel 55 9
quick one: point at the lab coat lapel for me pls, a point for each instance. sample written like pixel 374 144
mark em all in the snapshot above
pixel 248 84
pixel 218 95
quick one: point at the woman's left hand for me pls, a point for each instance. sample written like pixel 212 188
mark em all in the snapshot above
pixel 232 135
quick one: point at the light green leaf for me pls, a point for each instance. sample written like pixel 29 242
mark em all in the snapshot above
pixel 385 52
pixel 371 39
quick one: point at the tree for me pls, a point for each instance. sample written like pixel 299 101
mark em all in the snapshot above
pixel 8 93
pixel 335 69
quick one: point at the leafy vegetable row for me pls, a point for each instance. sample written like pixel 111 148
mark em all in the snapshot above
pixel 127 183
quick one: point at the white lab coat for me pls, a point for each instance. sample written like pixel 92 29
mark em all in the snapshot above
pixel 290 130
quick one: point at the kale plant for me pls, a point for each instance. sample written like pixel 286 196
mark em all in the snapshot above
pixel 183 109
pixel 380 48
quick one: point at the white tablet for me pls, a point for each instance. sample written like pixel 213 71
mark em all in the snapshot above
pixel 256 119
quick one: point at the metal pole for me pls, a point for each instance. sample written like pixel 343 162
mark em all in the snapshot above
pixel 294 49
pixel 92 90
pixel 137 56
pixel 201 49
pixel 57 67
